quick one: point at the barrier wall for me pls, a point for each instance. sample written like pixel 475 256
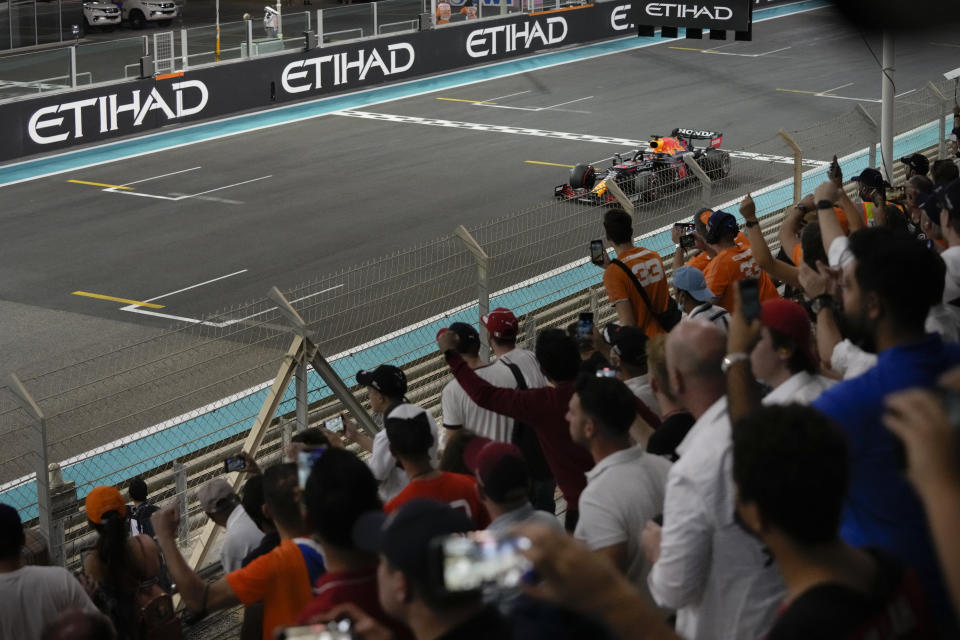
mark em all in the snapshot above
pixel 61 120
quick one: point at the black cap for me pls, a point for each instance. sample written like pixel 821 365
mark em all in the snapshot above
pixel 949 196
pixel 408 430
pixel 469 337
pixel 387 379
pixel 871 178
pixel 404 536
pixel 918 162
pixel 630 344
pixel 930 203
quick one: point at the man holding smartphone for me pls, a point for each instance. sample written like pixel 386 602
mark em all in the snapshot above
pixel 647 268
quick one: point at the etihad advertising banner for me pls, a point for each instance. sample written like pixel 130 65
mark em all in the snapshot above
pixel 724 15
pixel 60 120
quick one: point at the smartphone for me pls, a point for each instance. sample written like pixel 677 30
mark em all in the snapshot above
pixel 235 463
pixel 606 372
pixel 479 560
pixel 596 252
pixel 750 299
pixel 305 460
pixel 334 424
pixel 687 239
pixel 896 194
pixel 585 326
pixel 341 629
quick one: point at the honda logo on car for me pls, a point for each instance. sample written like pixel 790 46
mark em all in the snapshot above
pixel 694 11
pixel 46 126
pixel 515 37
pixel 399 57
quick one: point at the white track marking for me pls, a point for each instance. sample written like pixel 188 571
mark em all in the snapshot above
pixel 567 102
pixel 843 86
pixel 742 55
pixel 194 286
pixel 542 133
pixel 218 325
pixel 509 95
pixel 235 184
pixel 142 195
pixel 172 173
pixel 178 198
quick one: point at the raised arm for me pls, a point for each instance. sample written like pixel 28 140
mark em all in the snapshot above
pixel 777 269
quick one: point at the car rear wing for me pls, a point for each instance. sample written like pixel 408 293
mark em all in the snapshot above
pixel 691 135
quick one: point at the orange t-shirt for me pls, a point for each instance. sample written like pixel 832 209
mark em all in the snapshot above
pixel 456 489
pixel 280 580
pixel 732 265
pixel 699 261
pixel 648 267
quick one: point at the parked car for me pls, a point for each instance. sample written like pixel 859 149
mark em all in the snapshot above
pixel 101 15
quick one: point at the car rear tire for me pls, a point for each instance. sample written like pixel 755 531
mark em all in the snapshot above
pixel 583 176
pixel 137 19
pixel 716 164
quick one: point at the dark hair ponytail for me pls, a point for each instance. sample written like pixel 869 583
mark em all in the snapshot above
pixel 112 546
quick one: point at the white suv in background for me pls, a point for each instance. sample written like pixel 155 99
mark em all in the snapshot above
pixel 138 12
pixel 104 15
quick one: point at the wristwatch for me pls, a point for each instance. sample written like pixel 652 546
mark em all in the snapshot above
pixel 731 359
pixel 824 204
pixel 821 302
pixel 752 223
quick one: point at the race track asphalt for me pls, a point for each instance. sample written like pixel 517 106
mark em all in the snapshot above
pixel 343 189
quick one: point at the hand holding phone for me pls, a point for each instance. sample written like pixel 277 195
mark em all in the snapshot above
pixel 597 254
pixel 835 173
pixel 476 560
pixel 585 327
pixel 234 463
pixel 750 299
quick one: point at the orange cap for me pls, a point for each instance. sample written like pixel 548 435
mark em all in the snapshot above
pixel 103 499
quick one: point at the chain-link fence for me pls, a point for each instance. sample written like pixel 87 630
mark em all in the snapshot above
pixel 169 408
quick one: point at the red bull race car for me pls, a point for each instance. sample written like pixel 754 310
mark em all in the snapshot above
pixel 646 174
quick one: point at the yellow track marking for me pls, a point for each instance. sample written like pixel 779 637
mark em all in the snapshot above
pixel 100 296
pixel 549 164
pixel 462 100
pixel 101 184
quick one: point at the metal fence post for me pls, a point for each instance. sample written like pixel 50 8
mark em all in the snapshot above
pixel 146 45
pixel 702 176
pixel 73 66
pixel 941 120
pixel 483 285
pixel 58 543
pixel 876 133
pixel 40 447
pixel 621 197
pixel 180 483
pixel 530 330
pixel 286 436
pixel 797 165
pixel 302 420
pixel 249 38
pixel 312 354
pixel 319 27
pixel 376 27
pixel 183 49
pixel 307 14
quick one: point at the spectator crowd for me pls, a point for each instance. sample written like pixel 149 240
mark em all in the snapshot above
pixel 760 446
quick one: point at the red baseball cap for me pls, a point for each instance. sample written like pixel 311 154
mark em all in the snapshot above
pixel 499 468
pixel 790 319
pixel 501 323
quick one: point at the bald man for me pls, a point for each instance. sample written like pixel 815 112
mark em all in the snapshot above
pixel 718 578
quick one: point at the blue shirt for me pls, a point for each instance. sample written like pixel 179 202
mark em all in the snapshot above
pixel 882 509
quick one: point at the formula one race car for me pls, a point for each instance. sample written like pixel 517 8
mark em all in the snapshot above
pixel 648 173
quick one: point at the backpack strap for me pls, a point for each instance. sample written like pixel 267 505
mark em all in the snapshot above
pixel 517 374
pixel 640 290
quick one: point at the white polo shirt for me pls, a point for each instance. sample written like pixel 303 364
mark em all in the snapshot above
pixel 800 388
pixel 459 410
pixel 718 577
pixel 624 491
pixel 529 366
